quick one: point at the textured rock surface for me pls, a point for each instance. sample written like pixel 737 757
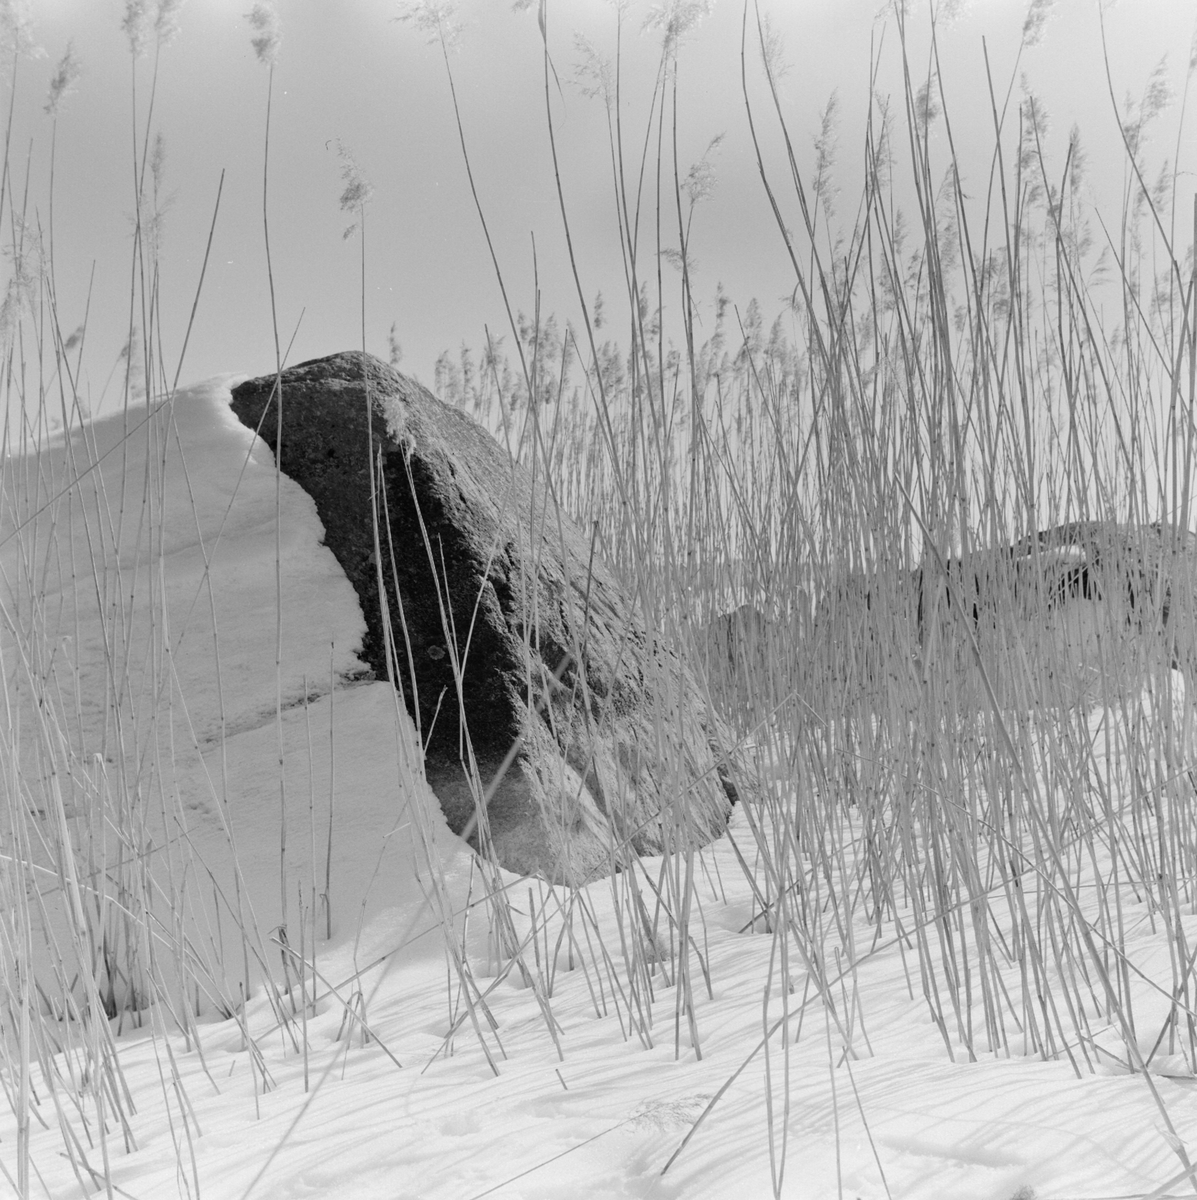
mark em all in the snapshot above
pixel 610 749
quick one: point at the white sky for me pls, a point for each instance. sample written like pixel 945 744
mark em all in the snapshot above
pixel 349 71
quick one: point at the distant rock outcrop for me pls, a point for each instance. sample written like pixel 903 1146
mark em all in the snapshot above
pixel 1075 616
pixel 518 653
pixel 736 648
pixel 1093 606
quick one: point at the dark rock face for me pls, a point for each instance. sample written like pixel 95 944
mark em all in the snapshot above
pixel 597 730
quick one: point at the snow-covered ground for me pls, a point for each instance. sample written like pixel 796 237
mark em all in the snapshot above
pixel 576 1077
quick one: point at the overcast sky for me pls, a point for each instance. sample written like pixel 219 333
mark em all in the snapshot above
pixel 348 71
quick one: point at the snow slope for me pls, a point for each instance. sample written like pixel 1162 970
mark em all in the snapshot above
pixel 444 1100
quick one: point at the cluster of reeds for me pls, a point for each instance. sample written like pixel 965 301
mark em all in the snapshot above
pixel 977 774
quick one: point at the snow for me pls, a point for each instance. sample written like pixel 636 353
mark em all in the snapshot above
pixel 430 1105
pixel 211 501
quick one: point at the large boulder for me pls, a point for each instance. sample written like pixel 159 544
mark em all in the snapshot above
pixel 558 735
